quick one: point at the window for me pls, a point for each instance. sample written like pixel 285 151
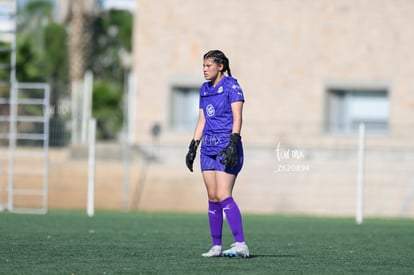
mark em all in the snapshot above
pixel 184 108
pixel 347 108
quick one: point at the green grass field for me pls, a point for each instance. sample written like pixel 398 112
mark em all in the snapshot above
pixel 64 242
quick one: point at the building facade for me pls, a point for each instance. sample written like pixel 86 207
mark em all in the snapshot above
pixel 312 73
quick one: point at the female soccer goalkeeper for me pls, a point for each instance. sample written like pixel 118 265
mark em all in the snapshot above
pixel 221 154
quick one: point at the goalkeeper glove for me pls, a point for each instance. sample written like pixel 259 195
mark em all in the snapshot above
pixel 192 151
pixel 230 154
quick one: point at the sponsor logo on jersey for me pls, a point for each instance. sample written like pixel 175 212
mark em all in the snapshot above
pixel 211 140
pixel 210 110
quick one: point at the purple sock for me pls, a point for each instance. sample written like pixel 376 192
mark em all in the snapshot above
pixel 215 217
pixel 234 218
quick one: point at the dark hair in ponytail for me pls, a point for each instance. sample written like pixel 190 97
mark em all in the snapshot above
pixel 220 58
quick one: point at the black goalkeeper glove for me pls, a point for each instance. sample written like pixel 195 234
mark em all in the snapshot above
pixel 192 151
pixel 230 155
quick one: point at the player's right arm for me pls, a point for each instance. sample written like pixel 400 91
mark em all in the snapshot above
pixel 192 149
pixel 198 132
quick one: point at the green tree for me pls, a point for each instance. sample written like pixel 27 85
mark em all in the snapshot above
pixel 112 32
pixel 56 60
pixel 4 68
pixel 42 56
pixel 112 36
pixel 107 108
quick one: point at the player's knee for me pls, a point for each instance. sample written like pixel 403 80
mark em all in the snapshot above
pixel 213 197
pixel 223 196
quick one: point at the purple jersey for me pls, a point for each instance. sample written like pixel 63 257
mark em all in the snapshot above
pixel 216 104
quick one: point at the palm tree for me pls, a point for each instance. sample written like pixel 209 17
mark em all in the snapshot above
pixel 76 14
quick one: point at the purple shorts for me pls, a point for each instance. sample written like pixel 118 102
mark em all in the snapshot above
pixel 212 162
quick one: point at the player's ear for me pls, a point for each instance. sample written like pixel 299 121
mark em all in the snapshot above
pixel 221 68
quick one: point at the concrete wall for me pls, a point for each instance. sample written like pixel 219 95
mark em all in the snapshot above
pixel 322 182
pixel 285 54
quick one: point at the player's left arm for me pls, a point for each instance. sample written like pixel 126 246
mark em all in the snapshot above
pixel 230 155
pixel 237 109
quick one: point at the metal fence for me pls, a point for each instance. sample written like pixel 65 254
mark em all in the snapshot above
pixel 26 126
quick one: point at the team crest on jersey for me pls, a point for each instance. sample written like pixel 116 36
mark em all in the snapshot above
pixel 220 90
pixel 210 110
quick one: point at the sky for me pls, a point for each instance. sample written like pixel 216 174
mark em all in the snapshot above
pixel 120 4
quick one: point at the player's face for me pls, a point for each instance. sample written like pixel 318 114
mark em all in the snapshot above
pixel 211 69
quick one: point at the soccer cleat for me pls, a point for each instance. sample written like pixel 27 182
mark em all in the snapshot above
pixel 215 251
pixel 237 250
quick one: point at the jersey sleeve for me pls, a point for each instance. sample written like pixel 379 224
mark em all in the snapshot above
pixel 235 92
pixel 202 89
